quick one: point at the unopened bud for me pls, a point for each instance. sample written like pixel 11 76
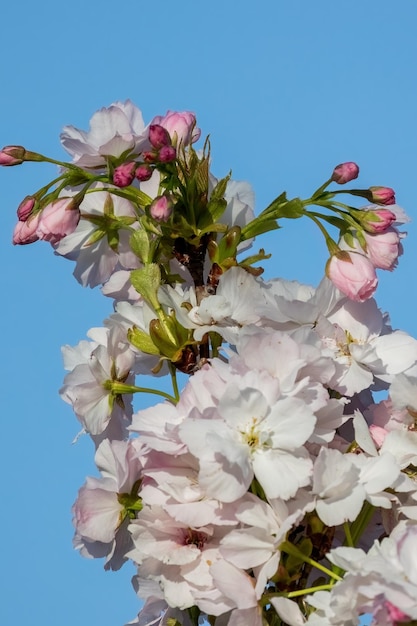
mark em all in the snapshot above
pixel 12 155
pixel 143 172
pixel 382 195
pixel 124 174
pixel 377 221
pixel 161 208
pixel 159 136
pixel 150 156
pixel 25 208
pixel 167 154
pixel 345 172
pixel 25 232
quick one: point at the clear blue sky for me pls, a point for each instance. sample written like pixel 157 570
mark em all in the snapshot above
pixel 286 90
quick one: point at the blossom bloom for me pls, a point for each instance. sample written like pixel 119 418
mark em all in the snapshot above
pixel 383 249
pixel 113 131
pixel 58 219
pixel 105 220
pixel 353 274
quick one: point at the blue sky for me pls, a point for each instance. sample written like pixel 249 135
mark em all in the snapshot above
pixel 286 90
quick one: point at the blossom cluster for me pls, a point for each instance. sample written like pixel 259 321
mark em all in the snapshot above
pixel 276 486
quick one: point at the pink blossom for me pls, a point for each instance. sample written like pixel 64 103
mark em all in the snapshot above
pixel 113 131
pixel 345 172
pixel 382 195
pixel 25 208
pixel 58 219
pixel 395 613
pixel 12 155
pixel 352 273
pixel 161 208
pixel 25 231
pixel 89 244
pixel 378 434
pixel 105 505
pixel 89 386
pixel 383 249
pixel 180 125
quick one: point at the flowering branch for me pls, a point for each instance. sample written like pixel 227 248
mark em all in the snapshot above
pixel 273 487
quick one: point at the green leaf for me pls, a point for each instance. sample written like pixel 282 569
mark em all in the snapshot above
pixel 292 209
pixel 169 336
pixel 213 228
pixel 139 242
pixel 147 281
pixel 254 258
pixel 141 340
pixel 217 204
pixel 257 227
pixel 282 199
pixel 113 239
pixel 183 229
pixel 202 175
pixel 226 248
pixel 96 236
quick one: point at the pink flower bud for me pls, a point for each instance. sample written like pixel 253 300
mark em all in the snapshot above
pixel 12 155
pixel 181 126
pixel 25 208
pixel 161 208
pixel 159 136
pixel 58 219
pixel 377 221
pixel 143 172
pixel 150 156
pixel 353 274
pixel 345 172
pixel 167 154
pixel 382 195
pixel 25 232
pixel 124 174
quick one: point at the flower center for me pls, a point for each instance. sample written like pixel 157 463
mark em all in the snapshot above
pixel 194 538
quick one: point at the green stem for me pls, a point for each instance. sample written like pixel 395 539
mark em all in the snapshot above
pixel 361 522
pixel 118 388
pixel 41 192
pixel 173 373
pixel 133 195
pixel 302 592
pixel 348 534
pixel 331 244
pixel 289 548
pixel 320 190
pixel 68 166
